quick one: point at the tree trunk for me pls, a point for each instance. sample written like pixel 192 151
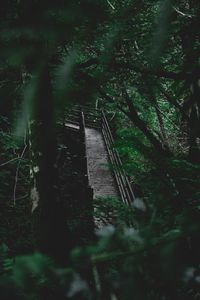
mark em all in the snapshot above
pixel 48 218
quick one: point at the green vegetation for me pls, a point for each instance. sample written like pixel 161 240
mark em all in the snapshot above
pixel 139 61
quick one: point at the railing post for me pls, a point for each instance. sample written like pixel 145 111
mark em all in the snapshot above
pixel 83 149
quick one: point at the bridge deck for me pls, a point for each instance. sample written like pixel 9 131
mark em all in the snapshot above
pixel 101 178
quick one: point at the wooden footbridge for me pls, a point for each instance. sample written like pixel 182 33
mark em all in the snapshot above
pixel 102 166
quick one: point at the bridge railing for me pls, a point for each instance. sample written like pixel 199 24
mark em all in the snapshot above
pixel 122 180
pixel 87 117
pixel 87 196
pixel 83 148
pixel 92 117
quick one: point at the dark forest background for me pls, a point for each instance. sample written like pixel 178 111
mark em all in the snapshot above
pixel 140 62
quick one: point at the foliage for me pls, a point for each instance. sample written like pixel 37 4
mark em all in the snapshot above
pixel 14 178
pixel 139 61
pixel 136 261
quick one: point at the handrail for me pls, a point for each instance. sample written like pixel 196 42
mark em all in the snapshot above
pixel 88 196
pixel 91 119
pixel 83 147
pixel 123 183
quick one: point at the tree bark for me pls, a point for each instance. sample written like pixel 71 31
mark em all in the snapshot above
pixel 48 217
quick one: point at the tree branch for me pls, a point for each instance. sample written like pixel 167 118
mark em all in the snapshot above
pixel 169 98
pixel 90 62
pixel 141 125
pixel 159 73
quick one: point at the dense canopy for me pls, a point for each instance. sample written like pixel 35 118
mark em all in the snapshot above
pixel 139 61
